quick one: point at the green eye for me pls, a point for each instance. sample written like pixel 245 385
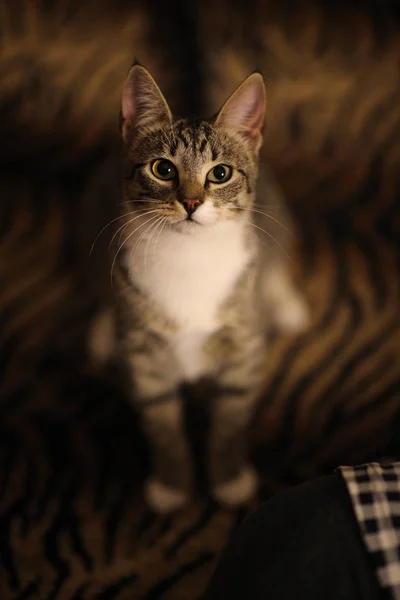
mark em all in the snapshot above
pixel 220 174
pixel 163 169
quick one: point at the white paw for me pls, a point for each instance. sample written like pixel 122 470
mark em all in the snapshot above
pixel 293 315
pixel 163 499
pixel 239 490
pixel 102 337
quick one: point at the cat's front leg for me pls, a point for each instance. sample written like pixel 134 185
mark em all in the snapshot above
pixel 154 380
pixel 169 486
pixel 233 480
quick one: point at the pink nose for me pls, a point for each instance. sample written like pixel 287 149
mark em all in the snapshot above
pixel 190 205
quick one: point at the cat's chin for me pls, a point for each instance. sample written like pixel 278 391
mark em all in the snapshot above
pixel 187 226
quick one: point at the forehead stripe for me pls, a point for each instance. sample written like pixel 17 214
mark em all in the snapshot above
pixel 183 139
pixel 173 146
pixel 203 145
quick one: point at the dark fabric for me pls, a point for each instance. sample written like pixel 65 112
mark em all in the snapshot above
pixel 303 543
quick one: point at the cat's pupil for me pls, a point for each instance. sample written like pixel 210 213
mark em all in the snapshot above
pixel 219 172
pixel 164 168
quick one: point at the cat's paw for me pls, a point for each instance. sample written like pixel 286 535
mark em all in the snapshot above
pixel 292 315
pixel 239 490
pixel 162 498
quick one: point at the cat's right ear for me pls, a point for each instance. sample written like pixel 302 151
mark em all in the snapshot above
pixel 244 111
pixel 142 103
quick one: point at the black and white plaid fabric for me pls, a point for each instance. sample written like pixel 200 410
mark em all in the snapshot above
pixel 375 494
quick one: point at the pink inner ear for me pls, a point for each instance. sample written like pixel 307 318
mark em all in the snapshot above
pixel 256 112
pixel 128 106
pixel 142 102
pixel 245 110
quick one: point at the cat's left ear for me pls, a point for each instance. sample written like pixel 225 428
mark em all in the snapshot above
pixel 143 104
pixel 244 111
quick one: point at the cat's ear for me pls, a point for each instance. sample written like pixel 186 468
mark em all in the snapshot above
pixel 244 111
pixel 142 103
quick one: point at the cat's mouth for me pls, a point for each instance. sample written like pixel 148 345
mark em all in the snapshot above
pixel 187 224
pixel 189 219
pixel 192 222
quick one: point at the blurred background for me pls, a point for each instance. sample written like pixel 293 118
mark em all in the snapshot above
pixel 72 457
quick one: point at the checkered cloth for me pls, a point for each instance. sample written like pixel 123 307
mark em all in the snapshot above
pixel 375 494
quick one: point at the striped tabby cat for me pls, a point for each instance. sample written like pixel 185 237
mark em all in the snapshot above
pixel 190 278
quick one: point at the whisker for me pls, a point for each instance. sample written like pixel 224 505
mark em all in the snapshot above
pixel 140 200
pixel 163 224
pixel 261 212
pixel 272 237
pixel 263 207
pixel 158 229
pixel 124 242
pixel 128 223
pixel 105 227
pixel 133 251
pixel 155 226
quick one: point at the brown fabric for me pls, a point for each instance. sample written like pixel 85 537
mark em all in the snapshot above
pixel 72 522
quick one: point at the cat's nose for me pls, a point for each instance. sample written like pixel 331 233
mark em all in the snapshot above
pixel 190 205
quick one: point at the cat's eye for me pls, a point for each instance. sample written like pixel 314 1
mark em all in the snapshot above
pixel 163 169
pixel 220 174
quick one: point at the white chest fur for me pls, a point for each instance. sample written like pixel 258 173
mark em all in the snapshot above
pixel 190 275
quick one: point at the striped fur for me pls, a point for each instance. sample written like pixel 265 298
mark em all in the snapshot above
pixel 74 523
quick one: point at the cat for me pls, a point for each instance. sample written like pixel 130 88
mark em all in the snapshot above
pixel 195 287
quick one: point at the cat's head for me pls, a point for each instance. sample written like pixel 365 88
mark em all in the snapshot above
pixel 192 173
